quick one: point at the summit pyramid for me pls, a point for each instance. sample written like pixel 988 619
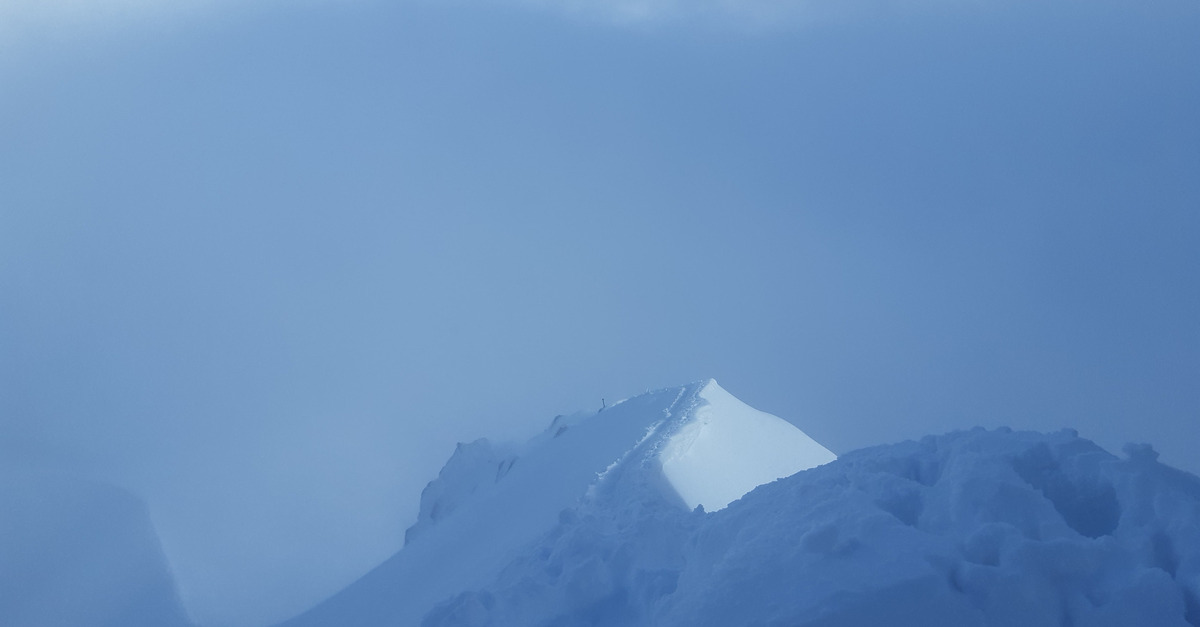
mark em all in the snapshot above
pixel 694 446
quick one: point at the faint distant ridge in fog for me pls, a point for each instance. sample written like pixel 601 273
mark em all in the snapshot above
pixel 75 553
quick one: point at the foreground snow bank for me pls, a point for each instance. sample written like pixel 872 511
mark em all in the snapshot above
pixel 975 528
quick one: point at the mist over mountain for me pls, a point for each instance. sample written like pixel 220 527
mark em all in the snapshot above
pixel 687 507
pixel 264 263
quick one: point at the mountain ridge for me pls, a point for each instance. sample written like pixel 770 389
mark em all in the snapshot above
pixel 584 525
pixel 490 500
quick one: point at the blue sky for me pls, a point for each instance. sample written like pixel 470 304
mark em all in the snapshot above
pixel 265 265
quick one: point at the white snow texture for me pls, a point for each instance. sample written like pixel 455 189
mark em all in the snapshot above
pixel 594 523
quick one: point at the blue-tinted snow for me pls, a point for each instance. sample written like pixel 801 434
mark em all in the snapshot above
pixel 974 528
pixel 489 503
pixel 491 520
pixel 581 527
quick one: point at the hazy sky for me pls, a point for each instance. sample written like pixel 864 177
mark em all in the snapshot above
pixel 264 264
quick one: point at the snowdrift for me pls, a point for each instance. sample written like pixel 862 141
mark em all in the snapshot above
pixel 968 529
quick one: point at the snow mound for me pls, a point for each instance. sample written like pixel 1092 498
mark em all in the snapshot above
pixel 80 554
pixel 979 528
pixel 669 450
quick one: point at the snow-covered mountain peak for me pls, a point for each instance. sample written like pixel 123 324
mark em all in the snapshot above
pixel 698 443
pixel 591 524
pixel 723 448
pixel 709 449
pixel 675 448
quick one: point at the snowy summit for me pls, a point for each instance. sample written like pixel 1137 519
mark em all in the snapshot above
pixel 686 508
pixel 679 448
pixel 719 448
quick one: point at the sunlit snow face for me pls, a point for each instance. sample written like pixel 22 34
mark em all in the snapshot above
pixel 727 448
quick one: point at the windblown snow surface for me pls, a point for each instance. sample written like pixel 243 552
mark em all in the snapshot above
pixel 988 528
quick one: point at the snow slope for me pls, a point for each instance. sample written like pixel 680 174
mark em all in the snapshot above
pixel 979 528
pixel 80 554
pixel 592 524
pixel 726 448
pixel 675 448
